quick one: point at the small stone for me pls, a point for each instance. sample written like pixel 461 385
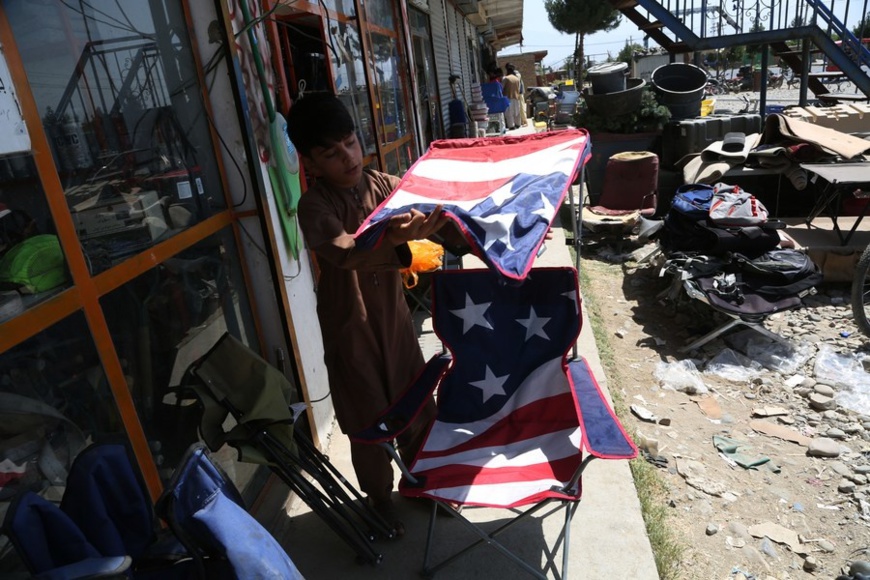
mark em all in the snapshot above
pixel 824 390
pixel 712 529
pixel 823 447
pixel 835 433
pixel 839 468
pixel 822 402
pixel 846 486
pixel 810 564
pixel 826 546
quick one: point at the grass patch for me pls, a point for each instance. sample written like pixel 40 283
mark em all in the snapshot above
pixel 652 491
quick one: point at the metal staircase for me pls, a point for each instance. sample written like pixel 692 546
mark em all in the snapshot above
pixel 794 29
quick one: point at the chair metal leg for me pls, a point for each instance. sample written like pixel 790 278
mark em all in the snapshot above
pixel 485 538
pixel 758 327
pixel 711 335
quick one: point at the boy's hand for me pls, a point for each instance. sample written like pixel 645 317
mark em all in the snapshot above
pixel 415 225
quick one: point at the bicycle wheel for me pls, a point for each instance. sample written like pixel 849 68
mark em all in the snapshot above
pixel 861 293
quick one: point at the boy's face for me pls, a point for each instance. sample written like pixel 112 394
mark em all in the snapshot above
pixel 339 164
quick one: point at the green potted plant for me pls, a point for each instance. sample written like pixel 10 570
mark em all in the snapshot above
pixel 638 130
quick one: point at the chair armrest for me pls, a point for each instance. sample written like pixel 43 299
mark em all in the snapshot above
pixel 603 434
pixel 110 566
pixel 392 422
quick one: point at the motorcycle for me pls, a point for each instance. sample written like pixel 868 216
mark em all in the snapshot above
pixel 774 81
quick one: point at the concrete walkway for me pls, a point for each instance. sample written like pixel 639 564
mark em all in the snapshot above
pixel 608 538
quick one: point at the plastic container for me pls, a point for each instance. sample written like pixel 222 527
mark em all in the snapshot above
pixel 680 88
pixel 618 103
pixel 686 136
pixel 607 78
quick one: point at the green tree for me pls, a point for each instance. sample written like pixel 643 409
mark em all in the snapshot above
pixel 754 49
pixel 862 29
pixel 626 55
pixel 581 18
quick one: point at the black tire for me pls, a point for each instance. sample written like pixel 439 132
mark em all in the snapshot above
pixel 861 293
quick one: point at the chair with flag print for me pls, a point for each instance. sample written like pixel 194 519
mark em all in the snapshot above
pixel 517 421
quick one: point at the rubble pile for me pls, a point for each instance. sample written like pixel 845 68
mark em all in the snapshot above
pixel 765 445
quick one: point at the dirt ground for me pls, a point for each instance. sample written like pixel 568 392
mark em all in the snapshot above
pixel 795 516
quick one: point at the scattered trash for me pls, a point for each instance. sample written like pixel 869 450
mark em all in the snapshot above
pixel 738 452
pixel 780 431
pixel 733 366
pixel 769 411
pixel 778 356
pixel 845 334
pixel 709 406
pixel 780 535
pixel 657 460
pixel 645 414
pixel 847 372
pixel 681 376
pixel 794 381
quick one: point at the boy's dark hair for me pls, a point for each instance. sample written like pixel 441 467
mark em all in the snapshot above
pixel 318 120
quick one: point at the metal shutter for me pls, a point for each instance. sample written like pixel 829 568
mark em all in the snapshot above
pixel 437 17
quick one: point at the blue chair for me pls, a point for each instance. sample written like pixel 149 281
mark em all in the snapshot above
pixel 104 524
pixel 51 545
pixel 494 98
pixel 206 512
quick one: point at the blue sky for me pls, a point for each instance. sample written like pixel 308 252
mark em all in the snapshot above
pixel 538 34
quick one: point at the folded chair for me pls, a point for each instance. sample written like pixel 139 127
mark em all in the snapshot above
pixel 233 381
pixel 628 191
pixel 517 422
pixel 105 522
pixel 206 512
pixel 712 282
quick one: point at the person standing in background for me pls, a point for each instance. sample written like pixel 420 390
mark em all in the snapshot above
pixel 511 87
pixel 523 115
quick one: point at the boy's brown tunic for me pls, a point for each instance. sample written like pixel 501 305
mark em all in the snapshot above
pixel 371 349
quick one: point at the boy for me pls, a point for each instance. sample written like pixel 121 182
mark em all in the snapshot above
pixel 370 345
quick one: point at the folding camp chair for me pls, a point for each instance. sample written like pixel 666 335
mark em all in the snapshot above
pixel 232 380
pixel 706 279
pixel 517 423
pixel 105 523
pixel 628 192
pixel 206 512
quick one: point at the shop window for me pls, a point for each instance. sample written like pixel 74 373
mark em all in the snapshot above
pixel 117 90
pixel 405 158
pixel 392 116
pixel 392 160
pixel 161 323
pixel 54 401
pixel 350 80
pixel 32 264
pixel 380 13
pixel 345 7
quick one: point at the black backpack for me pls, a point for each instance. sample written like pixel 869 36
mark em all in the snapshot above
pixel 777 273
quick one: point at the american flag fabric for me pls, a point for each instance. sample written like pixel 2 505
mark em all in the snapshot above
pixel 510 426
pixel 502 192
